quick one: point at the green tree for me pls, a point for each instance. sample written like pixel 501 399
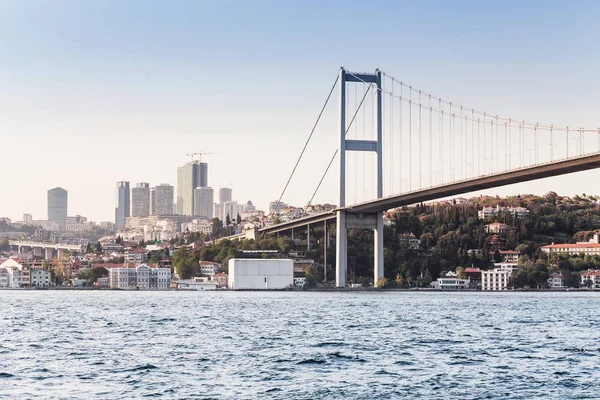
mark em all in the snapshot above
pixel 239 219
pixel 460 273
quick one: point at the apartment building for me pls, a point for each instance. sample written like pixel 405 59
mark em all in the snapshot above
pixel 495 279
pixel 140 277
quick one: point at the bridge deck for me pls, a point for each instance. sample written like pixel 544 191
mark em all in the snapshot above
pixel 567 166
pixel 555 168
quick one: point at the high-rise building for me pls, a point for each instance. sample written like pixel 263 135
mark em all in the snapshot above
pixel 231 209
pixel 57 206
pixel 163 200
pixel 123 204
pixel 276 206
pixel 203 202
pixel 203 178
pixel 140 200
pixel 224 195
pixel 153 201
pixel 249 207
pixel 27 218
pixel 189 177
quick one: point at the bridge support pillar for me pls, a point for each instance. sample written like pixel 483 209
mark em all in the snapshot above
pixel 378 251
pixel 49 254
pixel 38 251
pixel 60 253
pixel 20 249
pixel 308 237
pixel 341 249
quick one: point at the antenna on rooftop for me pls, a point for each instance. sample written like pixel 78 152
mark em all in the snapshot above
pixel 192 154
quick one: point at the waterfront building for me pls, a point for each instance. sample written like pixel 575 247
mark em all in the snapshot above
pixel 140 200
pixel 4 278
pixel 196 284
pixel 220 278
pixel 203 202
pixel 190 176
pixel 556 281
pixel 122 211
pixel 495 279
pixel 589 277
pixel 140 277
pixel 209 268
pixel 57 206
pixel 452 282
pixel 163 204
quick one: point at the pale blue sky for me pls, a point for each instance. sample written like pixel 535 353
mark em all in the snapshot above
pixel 94 92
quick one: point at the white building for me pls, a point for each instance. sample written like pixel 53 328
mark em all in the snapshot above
pixel 591 276
pixel 4 278
pixel 209 268
pixel 141 277
pixel 194 284
pixel 231 208
pixel 136 255
pixel 260 273
pixel 486 212
pixel 573 249
pixel 453 283
pixel 556 281
pixel 495 279
pixel 39 278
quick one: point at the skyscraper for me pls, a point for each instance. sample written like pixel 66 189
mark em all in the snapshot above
pixel 57 206
pixel 224 195
pixel 153 201
pixel 140 200
pixel 203 202
pixel 123 204
pixel 163 199
pixel 189 177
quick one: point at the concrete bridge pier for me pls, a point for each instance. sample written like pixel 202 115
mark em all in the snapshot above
pixel 341 249
pixel 49 253
pixel 347 221
pixel 60 253
pixel 38 251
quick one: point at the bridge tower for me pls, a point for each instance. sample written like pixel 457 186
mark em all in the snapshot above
pixel 347 220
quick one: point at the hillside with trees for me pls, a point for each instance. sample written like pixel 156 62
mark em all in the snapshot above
pixel 451 235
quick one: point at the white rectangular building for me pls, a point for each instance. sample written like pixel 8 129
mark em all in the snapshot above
pixel 495 279
pixel 260 273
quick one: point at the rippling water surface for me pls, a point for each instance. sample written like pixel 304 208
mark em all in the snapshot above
pixel 248 345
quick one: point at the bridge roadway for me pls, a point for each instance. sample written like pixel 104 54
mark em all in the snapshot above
pixel 539 171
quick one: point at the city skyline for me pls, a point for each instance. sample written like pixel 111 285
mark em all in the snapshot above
pixel 163 98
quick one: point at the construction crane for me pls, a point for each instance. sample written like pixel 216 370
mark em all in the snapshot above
pixel 197 154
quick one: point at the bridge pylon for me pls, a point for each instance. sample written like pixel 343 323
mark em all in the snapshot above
pixel 345 220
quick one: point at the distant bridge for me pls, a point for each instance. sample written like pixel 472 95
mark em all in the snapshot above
pixel 45 249
pixel 440 147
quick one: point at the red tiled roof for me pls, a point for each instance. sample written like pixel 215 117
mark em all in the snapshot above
pixel 572 246
pixel 591 273
pixel 208 263
pixel 472 270
pixel 508 252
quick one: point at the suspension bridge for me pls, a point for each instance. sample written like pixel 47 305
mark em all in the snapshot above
pixel 399 145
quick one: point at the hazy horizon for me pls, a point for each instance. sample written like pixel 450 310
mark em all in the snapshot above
pixel 96 93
